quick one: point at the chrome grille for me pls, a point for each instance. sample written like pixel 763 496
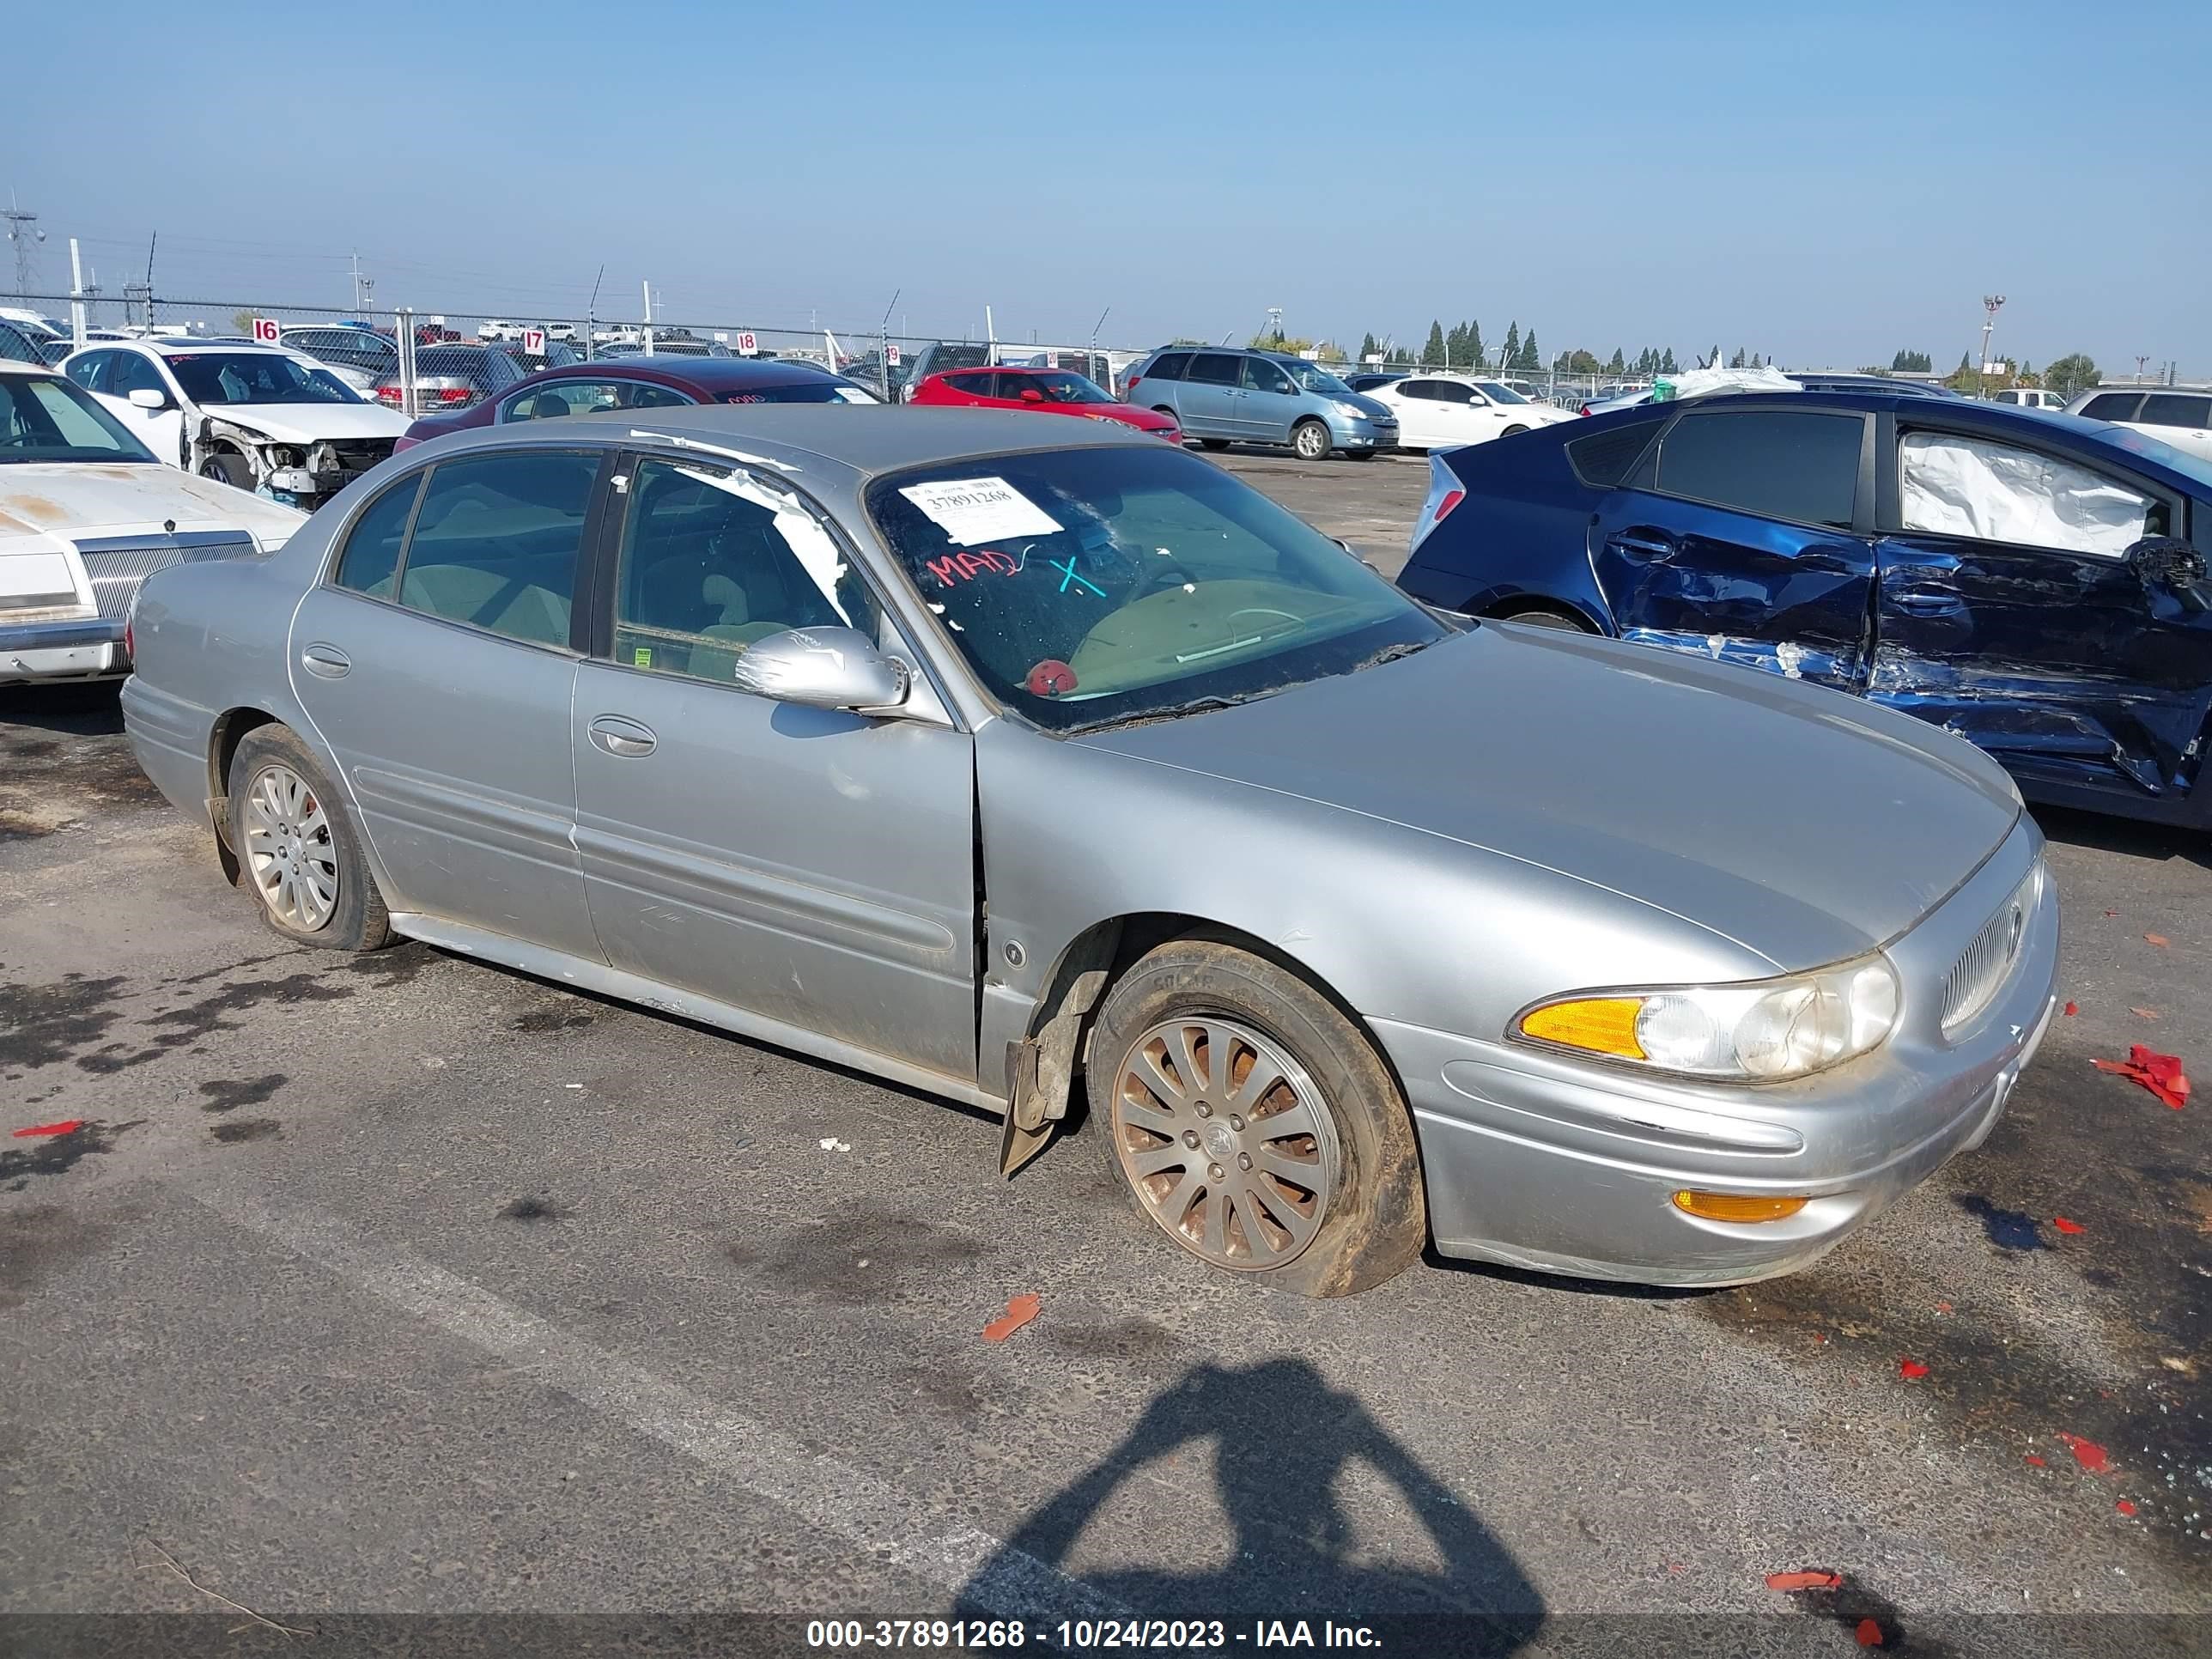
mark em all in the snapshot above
pixel 1984 966
pixel 117 565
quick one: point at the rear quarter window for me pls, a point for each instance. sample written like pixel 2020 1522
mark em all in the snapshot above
pixel 1169 368
pixel 1602 460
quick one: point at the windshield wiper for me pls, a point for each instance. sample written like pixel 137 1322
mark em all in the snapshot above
pixel 1392 653
pixel 1176 711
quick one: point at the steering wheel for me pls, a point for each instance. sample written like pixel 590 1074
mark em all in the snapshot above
pixel 1156 574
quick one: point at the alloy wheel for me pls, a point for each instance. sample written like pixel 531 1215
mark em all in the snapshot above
pixel 289 850
pixel 1225 1140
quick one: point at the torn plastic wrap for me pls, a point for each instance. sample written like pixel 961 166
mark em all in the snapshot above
pixel 1697 382
pixel 1955 486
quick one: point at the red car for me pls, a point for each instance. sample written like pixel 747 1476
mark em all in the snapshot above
pixel 1049 391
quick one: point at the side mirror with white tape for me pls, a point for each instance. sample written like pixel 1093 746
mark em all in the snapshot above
pixel 822 668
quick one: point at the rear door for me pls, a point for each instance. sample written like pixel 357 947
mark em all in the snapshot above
pixel 2012 611
pixel 814 868
pixel 1747 534
pixel 1206 397
pixel 437 667
pixel 2183 419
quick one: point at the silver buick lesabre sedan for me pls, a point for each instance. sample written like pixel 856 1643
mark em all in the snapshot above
pixel 988 759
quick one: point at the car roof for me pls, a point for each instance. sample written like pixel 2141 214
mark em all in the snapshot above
pixel 859 440
pixel 9 366
pixel 711 375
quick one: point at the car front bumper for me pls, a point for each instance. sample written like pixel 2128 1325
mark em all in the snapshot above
pixel 1363 435
pixel 72 650
pixel 1541 1162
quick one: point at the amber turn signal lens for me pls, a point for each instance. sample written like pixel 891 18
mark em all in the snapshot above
pixel 1603 1026
pixel 1735 1206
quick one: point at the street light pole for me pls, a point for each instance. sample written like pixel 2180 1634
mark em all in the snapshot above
pixel 1991 302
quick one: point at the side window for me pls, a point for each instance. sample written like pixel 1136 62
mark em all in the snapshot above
pixel 1601 460
pixel 1213 369
pixel 971 385
pixel 1451 392
pixel 1801 468
pixel 1950 485
pixel 2112 406
pixel 133 372
pixel 1169 368
pixel 371 553
pixel 2174 409
pixel 495 542
pixel 713 560
pixel 90 370
pixel 1261 375
pixel 1420 391
pixel 558 398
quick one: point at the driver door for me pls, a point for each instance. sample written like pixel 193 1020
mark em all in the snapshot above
pixel 813 868
pixel 161 430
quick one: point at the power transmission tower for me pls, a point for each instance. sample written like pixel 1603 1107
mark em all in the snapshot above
pixel 23 232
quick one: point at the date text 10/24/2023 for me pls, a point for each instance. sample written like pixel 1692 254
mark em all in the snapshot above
pixel 1173 1634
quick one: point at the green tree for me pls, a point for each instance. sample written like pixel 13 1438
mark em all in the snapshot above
pixel 1432 355
pixel 1736 361
pixel 1368 347
pixel 1667 364
pixel 1530 361
pixel 1511 359
pixel 2070 375
pixel 1619 365
pixel 1474 344
pixel 1911 363
pixel 243 322
pixel 1456 346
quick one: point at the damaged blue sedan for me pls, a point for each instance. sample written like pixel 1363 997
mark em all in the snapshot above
pixel 2034 583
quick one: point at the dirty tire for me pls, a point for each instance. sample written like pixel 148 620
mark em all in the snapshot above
pixel 1536 616
pixel 357 919
pixel 1361 454
pixel 1309 440
pixel 224 467
pixel 1214 443
pixel 1376 1219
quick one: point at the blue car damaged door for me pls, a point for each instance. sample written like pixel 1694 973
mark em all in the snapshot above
pixel 1746 534
pixel 2034 599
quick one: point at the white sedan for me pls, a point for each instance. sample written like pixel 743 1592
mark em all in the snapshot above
pixel 259 417
pixel 2173 414
pixel 1443 411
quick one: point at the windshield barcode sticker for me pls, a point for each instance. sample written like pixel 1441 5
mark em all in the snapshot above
pixel 972 510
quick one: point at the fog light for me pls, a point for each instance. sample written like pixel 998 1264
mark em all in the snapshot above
pixel 1735 1206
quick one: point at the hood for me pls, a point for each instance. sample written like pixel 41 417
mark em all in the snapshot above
pixel 79 498
pixel 1803 826
pixel 307 423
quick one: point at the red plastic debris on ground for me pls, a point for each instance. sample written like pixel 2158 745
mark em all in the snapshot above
pixel 1870 1633
pixel 2087 1453
pixel 1019 1311
pixel 2038 1462
pixel 2125 1507
pixel 2066 1226
pixel 2159 940
pixel 2160 1073
pixel 1810 1580
pixel 68 1125
pixel 1942 1307
pixel 1909 1369
pixel 2073 1008
pixel 2111 912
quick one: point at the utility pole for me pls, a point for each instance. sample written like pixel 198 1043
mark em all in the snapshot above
pixel 1991 302
pixel 77 296
pixel 591 315
pixel 648 317
pixel 144 291
pixel 883 345
pixel 2142 359
pixel 23 232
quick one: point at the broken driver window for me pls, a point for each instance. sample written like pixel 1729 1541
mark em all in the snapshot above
pixel 1951 485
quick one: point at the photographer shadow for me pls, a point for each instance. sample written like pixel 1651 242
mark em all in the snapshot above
pixel 1282 1442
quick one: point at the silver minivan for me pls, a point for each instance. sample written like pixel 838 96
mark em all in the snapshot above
pixel 1222 396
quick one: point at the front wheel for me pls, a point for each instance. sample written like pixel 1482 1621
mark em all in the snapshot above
pixel 297 847
pixel 1360 454
pixel 224 467
pixel 1214 443
pixel 1510 430
pixel 1253 1124
pixel 1309 440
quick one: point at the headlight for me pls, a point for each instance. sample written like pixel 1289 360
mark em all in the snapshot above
pixel 1352 409
pixel 1764 1030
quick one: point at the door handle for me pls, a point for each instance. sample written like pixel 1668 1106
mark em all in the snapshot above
pixel 1646 544
pixel 624 738
pixel 325 661
pixel 1922 601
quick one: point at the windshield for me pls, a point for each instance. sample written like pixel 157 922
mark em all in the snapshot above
pixel 1064 388
pixel 1312 376
pixel 43 417
pixel 1500 394
pixel 254 377
pixel 1086 586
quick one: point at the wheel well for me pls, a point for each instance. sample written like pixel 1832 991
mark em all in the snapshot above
pixel 230 729
pixel 1522 604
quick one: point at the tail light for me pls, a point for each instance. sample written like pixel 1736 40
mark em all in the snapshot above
pixel 1452 498
pixel 1131 384
pixel 130 641
pixel 1445 493
pixel 455 394
pixel 389 395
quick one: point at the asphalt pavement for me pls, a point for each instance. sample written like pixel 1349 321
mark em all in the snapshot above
pixel 404 1284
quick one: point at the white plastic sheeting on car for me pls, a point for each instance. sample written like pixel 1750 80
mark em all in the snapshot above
pixel 1697 382
pixel 1955 486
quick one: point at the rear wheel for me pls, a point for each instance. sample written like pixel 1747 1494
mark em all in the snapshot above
pixel 1214 443
pixel 1251 1122
pixel 225 467
pixel 1309 440
pixel 1360 454
pixel 1540 617
pixel 297 847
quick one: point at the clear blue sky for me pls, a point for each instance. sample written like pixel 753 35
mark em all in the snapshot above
pixel 1827 184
